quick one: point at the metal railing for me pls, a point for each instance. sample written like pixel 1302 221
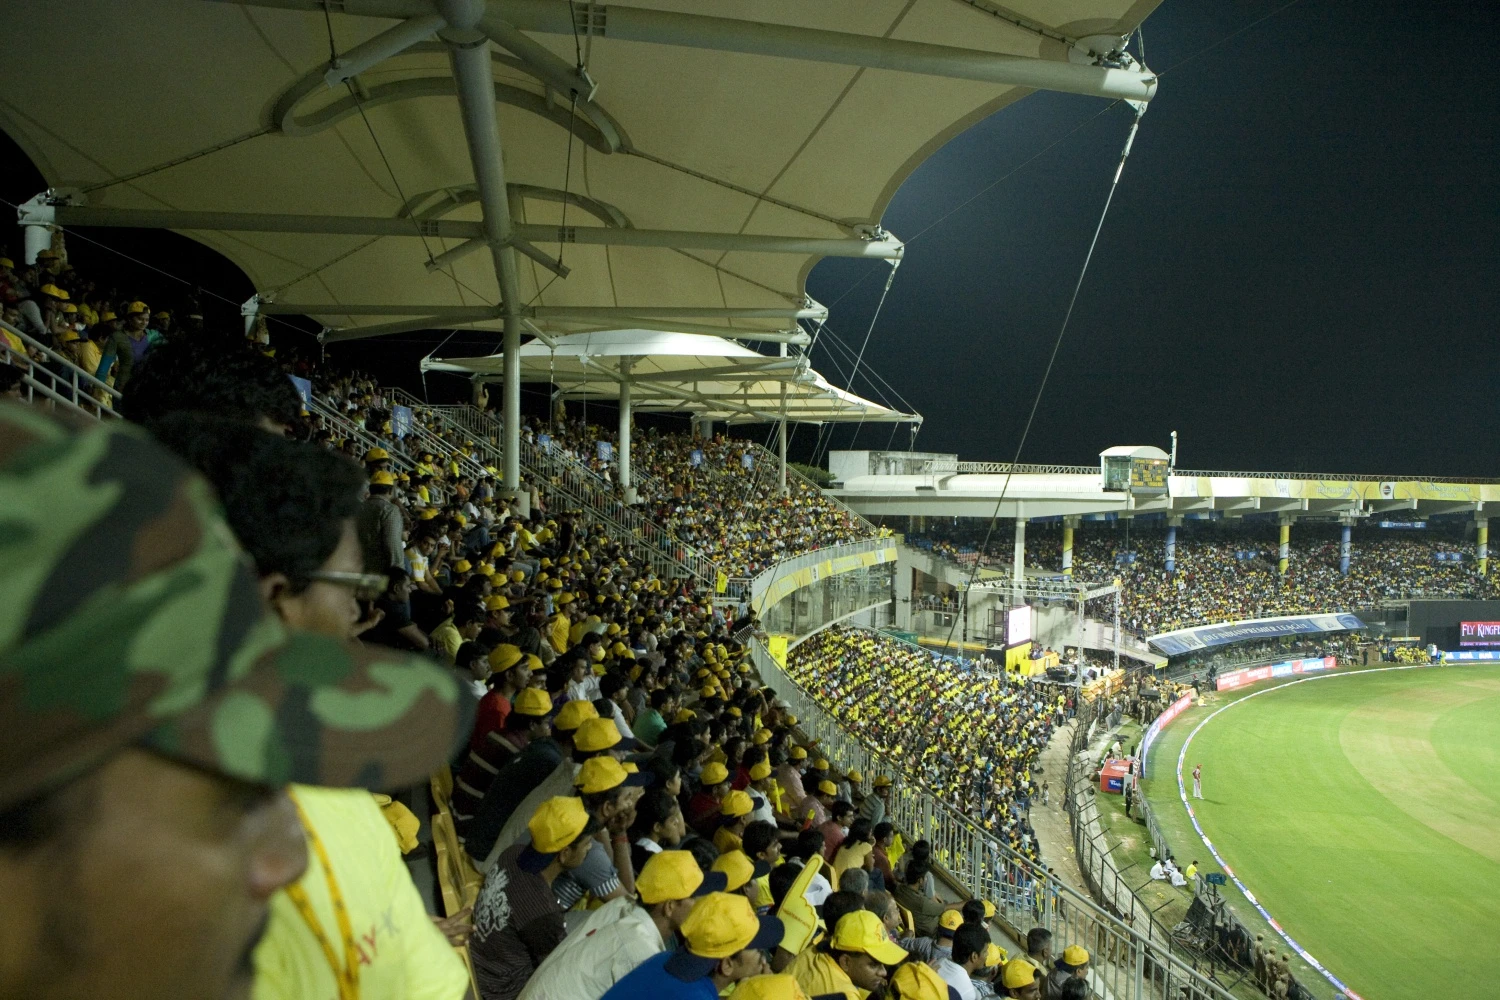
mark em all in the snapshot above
pixel 1334 477
pixel 1126 965
pixel 58 379
pixel 1024 469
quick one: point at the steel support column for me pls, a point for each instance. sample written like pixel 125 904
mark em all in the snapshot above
pixel 1284 552
pixel 625 417
pixel 469 52
pixel 781 434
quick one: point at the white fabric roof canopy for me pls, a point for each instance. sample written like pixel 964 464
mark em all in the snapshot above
pixel 718 150
pixel 705 375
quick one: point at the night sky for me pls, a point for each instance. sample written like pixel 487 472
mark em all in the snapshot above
pixel 1298 271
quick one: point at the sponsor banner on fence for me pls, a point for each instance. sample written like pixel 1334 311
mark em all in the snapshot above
pixel 1250 675
pixel 1470 655
pixel 1187 640
pixel 782 585
pixel 1171 712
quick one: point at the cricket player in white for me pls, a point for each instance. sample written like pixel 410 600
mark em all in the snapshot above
pixel 1197 781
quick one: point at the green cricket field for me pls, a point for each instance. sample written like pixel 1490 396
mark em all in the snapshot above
pixel 1363 812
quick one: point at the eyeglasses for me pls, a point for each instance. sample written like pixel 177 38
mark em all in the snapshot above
pixel 366 586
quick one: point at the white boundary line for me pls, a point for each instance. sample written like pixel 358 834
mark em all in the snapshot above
pixel 1250 896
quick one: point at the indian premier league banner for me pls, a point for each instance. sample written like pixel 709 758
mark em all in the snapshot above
pixel 1188 640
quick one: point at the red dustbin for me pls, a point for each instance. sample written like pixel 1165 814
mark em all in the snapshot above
pixel 1113 775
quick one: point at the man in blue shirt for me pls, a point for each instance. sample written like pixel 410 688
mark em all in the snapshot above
pixel 725 942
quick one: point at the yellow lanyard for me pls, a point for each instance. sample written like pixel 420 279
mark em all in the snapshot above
pixel 347 976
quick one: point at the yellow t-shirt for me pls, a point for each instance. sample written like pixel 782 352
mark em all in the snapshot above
pixel 403 956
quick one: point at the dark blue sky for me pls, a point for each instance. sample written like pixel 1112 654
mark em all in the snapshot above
pixel 1298 272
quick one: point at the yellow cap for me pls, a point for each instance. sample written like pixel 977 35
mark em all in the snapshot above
pixel 382 478
pixel 557 823
pixel 917 981
pixel 574 714
pixel 721 926
pixel 713 774
pixel 54 292
pixel 760 771
pixel 781 987
pixel 863 931
pixel 504 656
pixel 993 955
pixel 496 602
pixel 761 737
pixel 820 764
pixel 428 514
pixel 989 909
pixel 462 566
pixel 791 720
pixel 1075 956
pixel 737 868
pixel 531 701
pixel 667 875
pixel 564 598
pixel 882 781
pixel 736 803
pixel 600 774
pixel 951 920
pixel 596 734
pixel 518 576
pixel 683 715
pixel 734 712
pixel 798 754
pixel 485 569
pixel 377 455
pixel 1017 973
pixel 137 307
pixel 827 787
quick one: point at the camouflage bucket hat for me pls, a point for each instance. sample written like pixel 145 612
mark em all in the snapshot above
pixel 130 616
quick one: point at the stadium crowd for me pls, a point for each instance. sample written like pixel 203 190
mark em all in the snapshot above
pixel 633 814
pixel 720 495
pixel 1229 571
pixel 972 737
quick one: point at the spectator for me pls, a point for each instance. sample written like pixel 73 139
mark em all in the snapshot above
pixel 170 789
pixel 517 921
pixel 724 942
pixel 623 933
pixel 853 958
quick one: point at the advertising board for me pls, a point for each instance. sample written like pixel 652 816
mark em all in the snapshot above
pixel 1479 633
pixel 1250 675
pixel 1018 625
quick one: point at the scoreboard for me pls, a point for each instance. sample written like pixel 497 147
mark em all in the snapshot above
pixel 1141 475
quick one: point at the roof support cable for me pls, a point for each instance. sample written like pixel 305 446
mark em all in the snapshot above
pixel 984 547
pixel 859 358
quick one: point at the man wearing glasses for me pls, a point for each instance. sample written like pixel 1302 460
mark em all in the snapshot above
pixel 292 506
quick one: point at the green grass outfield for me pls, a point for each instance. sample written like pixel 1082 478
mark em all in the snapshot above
pixel 1363 811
